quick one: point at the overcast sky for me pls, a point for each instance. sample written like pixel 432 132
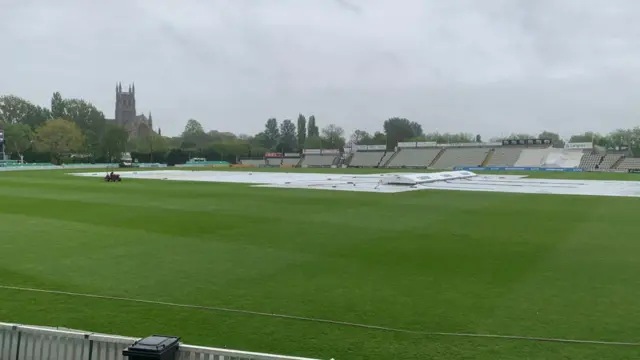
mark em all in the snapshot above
pixel 482 66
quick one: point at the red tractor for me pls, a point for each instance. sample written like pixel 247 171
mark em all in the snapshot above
pixel 112 177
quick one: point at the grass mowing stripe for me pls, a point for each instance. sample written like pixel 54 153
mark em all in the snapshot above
pixel 326 321
pixel 466 262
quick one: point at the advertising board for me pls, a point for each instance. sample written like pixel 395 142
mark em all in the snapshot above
pixel 405 144
pixel 426 144
pixel 330 151
pixel 311 151
pixel 512 142
pixel 579 145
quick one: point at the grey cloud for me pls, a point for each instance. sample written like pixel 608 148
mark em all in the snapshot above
pixel 347 5
pixel 491 66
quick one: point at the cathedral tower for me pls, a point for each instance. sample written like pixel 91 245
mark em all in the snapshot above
pixel 125 105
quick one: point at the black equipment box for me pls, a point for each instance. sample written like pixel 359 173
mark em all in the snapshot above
pixel 154 347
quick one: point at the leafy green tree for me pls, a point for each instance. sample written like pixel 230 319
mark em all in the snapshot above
pixel 288 138
pixel 218 136
pixel 361 137
pixel 174 142
pixel 151 144
pixel 312 127
pixel 313 142
pixel 620 137
pixel 193 136
pixel 16 110
pixel 271 133
pixel 302 131
pixel 18 138
pixel 89 119
pixel 257 146
pixel 588 136
pixel 379 138
pixel 259 140
pixel 84 114
pixel 333 136
pixel 229 150
pixel 114 142
pixel 417 129
pixel 193 127
pixel 555 138
pixel 59 136
pixel 400 129
pixel 58 108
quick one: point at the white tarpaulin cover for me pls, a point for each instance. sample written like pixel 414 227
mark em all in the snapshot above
pixel 395 182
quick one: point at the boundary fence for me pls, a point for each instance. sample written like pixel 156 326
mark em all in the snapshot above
pixel 21 342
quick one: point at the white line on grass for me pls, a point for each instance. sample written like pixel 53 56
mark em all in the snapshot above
pixel 325 321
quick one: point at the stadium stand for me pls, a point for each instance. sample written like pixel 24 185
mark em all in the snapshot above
pixel 255 162
pixel 535 153
pixel 590 160
pixel 414 157
pixel 319 160
pixel 385 159
pixel 366 158
pixel 452 157
pixel 533 157
pixel 609 161
pixel 291 161
pixel 442 156
pixel 629 163
pixel 504 156
pixel 563 158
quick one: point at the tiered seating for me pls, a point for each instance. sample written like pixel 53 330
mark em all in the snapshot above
pixel 386 157
pixel 290 161
pixel 609 160
pixel 506 156
pixel 563 158
pixel 366 158
pixel 532 157
pixel 629 163
pixel 252 162
pixel 590 160
pixel 420 157
pixel 319 160
pixel 453 157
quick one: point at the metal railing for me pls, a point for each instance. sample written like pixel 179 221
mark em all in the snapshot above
pixel 20 342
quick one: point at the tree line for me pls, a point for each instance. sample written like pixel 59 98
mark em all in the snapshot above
pixel 75 130
pixel 67 130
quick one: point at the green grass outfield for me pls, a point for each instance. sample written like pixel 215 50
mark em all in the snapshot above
pixel 446 261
